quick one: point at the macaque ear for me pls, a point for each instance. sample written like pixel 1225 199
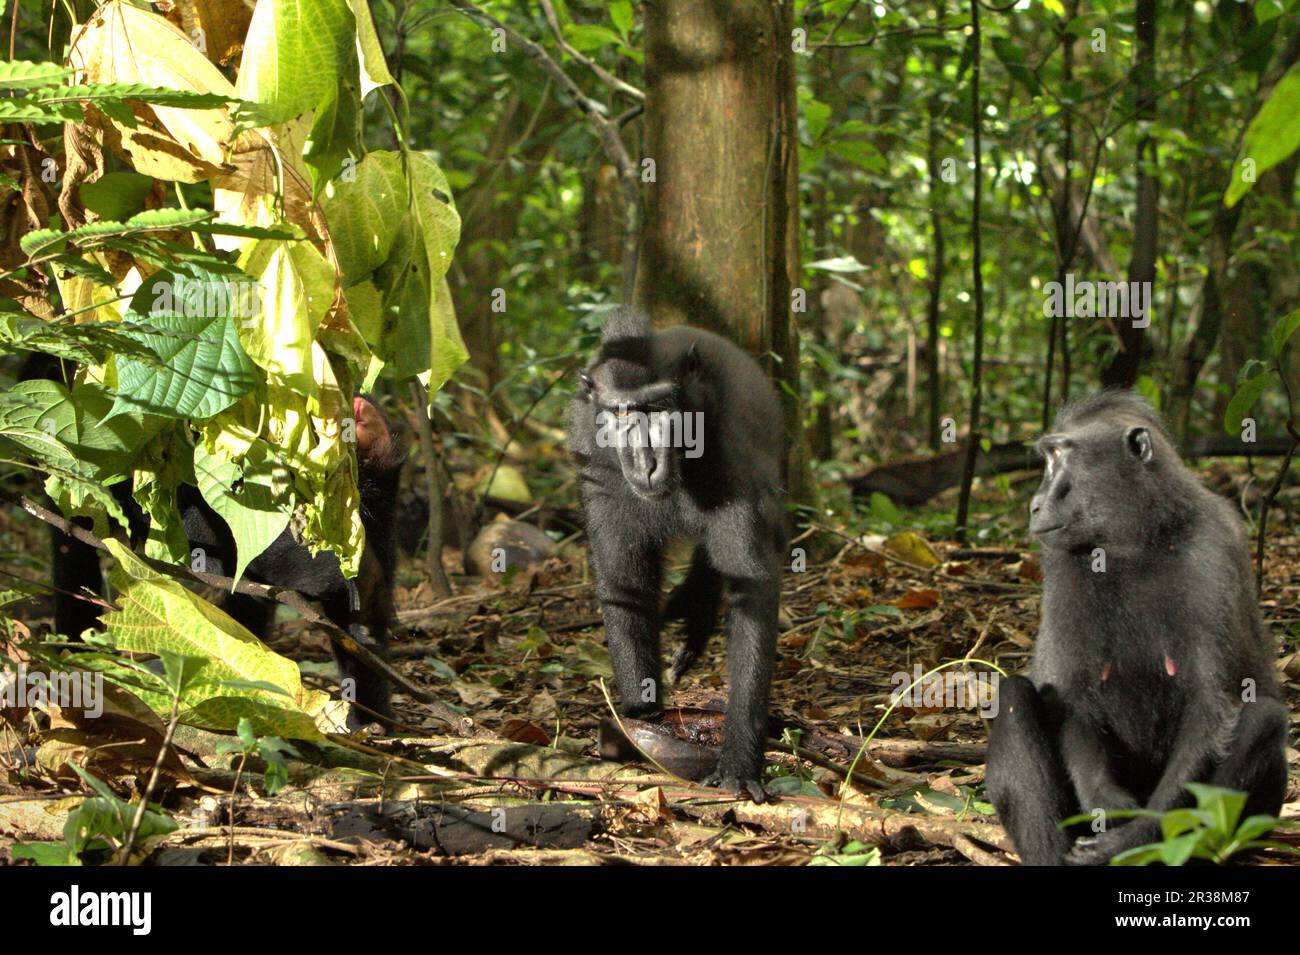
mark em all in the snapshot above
pixel 586 385
pixel 1138 442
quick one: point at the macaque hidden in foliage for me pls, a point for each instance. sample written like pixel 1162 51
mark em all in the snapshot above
pixel 362 606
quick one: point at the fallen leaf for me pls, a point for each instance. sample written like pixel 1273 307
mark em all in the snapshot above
pixel 522 731
pixel 1030 569
pixel 923 599
pixel 912 548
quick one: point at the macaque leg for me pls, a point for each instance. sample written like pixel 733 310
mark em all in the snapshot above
pixel 364 609
pixel 1084 754
pixel 1026 778
pixel 628 574
pixel 751 649
pixel 1256 762
pixel 696 601
pixel 75 570
pixel 254 614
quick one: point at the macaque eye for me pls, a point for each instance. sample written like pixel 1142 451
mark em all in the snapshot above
pixel 1054 454
pixel 587 384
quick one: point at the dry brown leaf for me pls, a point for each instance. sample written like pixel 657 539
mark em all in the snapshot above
pixel 920 599
pixel 522 731
pixel 652 806
pixel 1030 569
pixel 931 726
pixel 122 43
pixel 222 24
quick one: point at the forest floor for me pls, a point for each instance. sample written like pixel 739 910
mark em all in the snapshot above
pixel 521 780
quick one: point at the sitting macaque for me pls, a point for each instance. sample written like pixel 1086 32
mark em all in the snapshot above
pixel 1152 667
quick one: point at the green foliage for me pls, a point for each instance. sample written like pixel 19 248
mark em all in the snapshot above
pixel 1257 378
pixel 100 823
pixel 1213 831
pixel 294 58
pixel 1272 136
pixel 46 104
pixel 198 367
pixel 243 678
pixel 211 343
pixel 1246 396
pixel 22 74
pixel 852 853
pixel 1286 327
pixel 155 224
pixel 270 749
pixel 74 430
pixel 249 496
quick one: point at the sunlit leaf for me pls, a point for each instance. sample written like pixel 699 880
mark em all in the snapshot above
pixel 1272 136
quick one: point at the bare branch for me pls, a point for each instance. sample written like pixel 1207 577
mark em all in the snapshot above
pixel 607 131
pixel 308 609
pixel 608 78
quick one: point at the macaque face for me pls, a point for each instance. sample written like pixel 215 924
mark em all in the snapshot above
pixel 374 440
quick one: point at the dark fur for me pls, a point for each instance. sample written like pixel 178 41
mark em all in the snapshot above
pixel 362 606
pixel 729 501
pixel 1100 723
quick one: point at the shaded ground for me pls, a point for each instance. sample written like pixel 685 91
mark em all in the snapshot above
pixel 527 664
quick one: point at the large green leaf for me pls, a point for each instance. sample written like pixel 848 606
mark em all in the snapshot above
pixel 419 330
pixel 255 512
pixel 1245 399
pixel 1272 136
pixel 116 195
pixel 159 615
pixel 335 136
pixel 189 323
pixel 374 70
pixel 361 213
pixel 297 289
pixel 294 55
pixel 104 447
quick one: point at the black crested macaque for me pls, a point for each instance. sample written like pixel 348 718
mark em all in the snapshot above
pixel 362 606
pixel 1152 666
pixel 678 434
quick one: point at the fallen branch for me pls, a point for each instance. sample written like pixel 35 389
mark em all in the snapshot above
pixel 809 817
pixel 910 482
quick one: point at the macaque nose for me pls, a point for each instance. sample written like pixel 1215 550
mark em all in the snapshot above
pixel 645 462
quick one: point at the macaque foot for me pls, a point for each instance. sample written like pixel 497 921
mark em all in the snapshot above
pixel 683 660
pixel 362 722
pixel 742 782
pixel 1098 849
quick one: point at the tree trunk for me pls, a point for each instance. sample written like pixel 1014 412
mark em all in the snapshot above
pixel 1067 228
pixel 1122 369
pixel 720 243
pixel 977 281
pixel 1197 344
pixel 933 385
